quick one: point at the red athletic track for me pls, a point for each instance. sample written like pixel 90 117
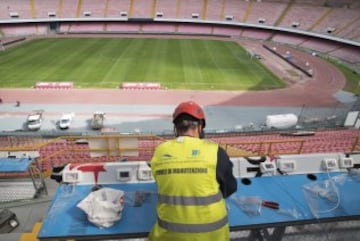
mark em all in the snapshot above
pixel 316 91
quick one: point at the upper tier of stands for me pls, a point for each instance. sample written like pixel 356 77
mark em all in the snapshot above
pixel 340 18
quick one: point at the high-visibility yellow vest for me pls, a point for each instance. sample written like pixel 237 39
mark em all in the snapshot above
pixel 190 203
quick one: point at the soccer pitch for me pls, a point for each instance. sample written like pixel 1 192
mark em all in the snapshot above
pixel 108 62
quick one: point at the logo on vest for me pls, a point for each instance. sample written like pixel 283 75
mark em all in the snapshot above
pixel 186 170
pixel 195 152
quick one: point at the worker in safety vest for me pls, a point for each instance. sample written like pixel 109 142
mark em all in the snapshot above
pixel 193 177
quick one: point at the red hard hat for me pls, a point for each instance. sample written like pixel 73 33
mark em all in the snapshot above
pixel 190 108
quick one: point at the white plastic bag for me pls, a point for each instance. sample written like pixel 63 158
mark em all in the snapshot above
pixel 322 196
pixel 251 205
pixel 103 207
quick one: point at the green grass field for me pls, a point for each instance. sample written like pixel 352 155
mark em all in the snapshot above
pixel 106 63
pixel 353 79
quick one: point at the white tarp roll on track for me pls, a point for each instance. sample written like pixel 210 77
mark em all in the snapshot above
pixel 281 121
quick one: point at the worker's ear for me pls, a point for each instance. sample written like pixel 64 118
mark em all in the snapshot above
pixel 201 132
pixel 175 132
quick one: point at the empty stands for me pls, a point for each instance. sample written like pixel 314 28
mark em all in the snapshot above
pixel 319 45
pixel 46 9
pixel 123 27
pixel 302 16
pixel 116 9
pixel 336 18
pixel 141 9
pixel 350 31
pixel 93 8
pixel 194 29
pixel 267 11
pixel 190 9
pixel 336 21
pixel 311 2
pixel 5 8
pixel 350 54
pixel 235 9
pixel 87 27
pixel 227 31
pixel 17 9
pixel 321 142
pixel 256 34
pixel 214 10
pixel 68 9
pixel 167 8
pixel 287 38
pixel 59 151
pixel 158 28
pixel 23 29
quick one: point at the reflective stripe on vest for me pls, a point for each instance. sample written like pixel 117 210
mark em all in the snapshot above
pixel 178 200
pixel 193 228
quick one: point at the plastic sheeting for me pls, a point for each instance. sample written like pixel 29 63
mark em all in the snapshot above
pixel 324 196
pixel 103 207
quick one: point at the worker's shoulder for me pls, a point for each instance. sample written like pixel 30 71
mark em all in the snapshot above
pixel 183 139
pixel 164 144
pixel 210 142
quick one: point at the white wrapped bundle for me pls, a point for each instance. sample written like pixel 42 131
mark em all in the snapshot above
pixel 281 121
pixel 103 207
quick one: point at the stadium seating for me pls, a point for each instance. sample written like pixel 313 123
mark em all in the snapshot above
pixel 268 11
pixel 303 16
pixel 17 9
pixel 312 2
pixel 68 9
pixel 287 38
pixel 158 28
pixel 227 31
pixel 350 31
pixel 93 8
pixel 327 17
pixel 350 54
pixel 190 9
pixel 57 152
pixel 321 142
pixel 166 7
pixel 194 29
pixel 87 27
pixel 115 8
pixel 24 29
pixel 123 27
pixel 256 34
pixel 337 19
pixel 236 9
pixel 213 10
pixel 319 45
pixel 46 9
pixel 141 9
